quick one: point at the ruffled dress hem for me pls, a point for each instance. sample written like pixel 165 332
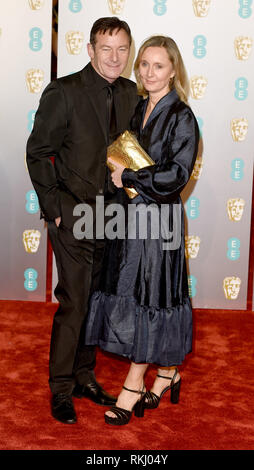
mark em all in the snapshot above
pixel 143 334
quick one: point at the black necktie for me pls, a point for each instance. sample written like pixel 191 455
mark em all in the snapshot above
pixel 109 188
pixel 111 116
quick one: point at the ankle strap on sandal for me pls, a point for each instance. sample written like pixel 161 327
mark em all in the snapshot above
pixel 169 378
pixel 135 391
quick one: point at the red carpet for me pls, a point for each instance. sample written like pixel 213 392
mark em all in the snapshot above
pixel 216 403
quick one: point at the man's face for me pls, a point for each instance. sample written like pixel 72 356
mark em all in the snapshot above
pixel 110 54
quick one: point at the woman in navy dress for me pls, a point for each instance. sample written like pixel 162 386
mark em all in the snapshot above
pixel 142 310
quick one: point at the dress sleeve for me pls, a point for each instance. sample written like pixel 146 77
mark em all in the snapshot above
pixel 45 141
pixel 164 182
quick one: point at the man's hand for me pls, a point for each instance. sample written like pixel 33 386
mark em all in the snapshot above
pixel 116 175
pixel 58 221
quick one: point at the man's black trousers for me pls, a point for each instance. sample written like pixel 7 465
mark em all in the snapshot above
pixel 78 266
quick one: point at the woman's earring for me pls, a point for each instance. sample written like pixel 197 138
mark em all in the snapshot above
pixel 172 80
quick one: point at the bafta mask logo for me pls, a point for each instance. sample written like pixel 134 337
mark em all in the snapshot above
pixel 198 86
pixel 31 240
pixel 192 245
pixel 201 7
pixel 231 287
pixel 197 170
pixel 243 46
pixel 239 129
pixel 235 207
pixel 74 42
pixel 116 6
pixel 34 80
pixel 35 4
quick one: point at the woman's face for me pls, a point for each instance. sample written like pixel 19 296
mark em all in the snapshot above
pixel 156 70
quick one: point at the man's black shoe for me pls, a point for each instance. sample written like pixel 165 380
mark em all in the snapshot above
pixel 62 408
pixel 95 392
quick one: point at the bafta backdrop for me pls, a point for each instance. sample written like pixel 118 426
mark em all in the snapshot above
pixel 216 41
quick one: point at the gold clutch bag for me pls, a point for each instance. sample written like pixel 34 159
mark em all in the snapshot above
pixel 127 151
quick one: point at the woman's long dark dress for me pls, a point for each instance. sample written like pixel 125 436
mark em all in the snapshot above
pixel 142 310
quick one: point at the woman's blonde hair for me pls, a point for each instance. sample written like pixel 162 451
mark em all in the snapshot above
pixel 180 81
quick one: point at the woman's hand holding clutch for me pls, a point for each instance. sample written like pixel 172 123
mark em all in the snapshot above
pixel 116 174
pixel 126 152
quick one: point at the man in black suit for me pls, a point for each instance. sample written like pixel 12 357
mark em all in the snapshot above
pixel 74 124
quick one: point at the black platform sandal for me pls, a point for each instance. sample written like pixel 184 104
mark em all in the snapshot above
pixel 151 400
pixel 123 416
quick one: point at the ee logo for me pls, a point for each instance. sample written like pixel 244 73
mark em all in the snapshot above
pixel 193 204
pixel 30 119
pixel 160 7
pixel 237 166
pixel 241 88
pixel 199 50
pixel 35 42
pixel 245 10
pixel 233 252
pixel 192 282
pixel 32 203
pixel 30 283
pixel 200 125
pixel 75 6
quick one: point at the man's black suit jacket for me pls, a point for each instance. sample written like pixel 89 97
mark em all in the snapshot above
pixel 70 127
